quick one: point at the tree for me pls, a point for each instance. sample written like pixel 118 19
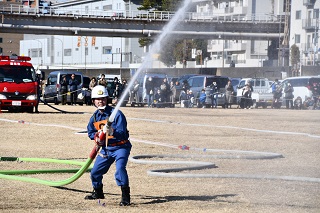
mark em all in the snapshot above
pixel 167 52
pixel 201 44
pixel 295 55
pixel 183 49
pixel 149 4
pixel 173 50
pixel 170 5
pixel 145 41
pixel 295 59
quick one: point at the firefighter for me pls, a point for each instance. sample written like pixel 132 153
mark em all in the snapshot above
pixel 116 148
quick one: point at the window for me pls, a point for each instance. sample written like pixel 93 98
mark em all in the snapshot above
pixel 37 52
pixel 242 83
pixel 298 14
pixel 107 50
pixel 67 52
pixel 316 13
pixel 197 82
pixel 296 38
pixel 299 82
pixel 52 80
pixel 107 7
pixel 0 40
pixel 17 74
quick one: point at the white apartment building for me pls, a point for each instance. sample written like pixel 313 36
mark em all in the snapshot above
pixel 85 51
pixel 304 30
pixel 244 53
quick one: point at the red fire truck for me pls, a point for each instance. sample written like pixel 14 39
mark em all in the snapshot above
pixel 18 84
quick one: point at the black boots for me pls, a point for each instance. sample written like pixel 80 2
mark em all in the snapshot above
pixel 125 198
pixel 96 194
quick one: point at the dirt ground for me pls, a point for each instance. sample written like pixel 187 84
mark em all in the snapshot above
pixel 257 185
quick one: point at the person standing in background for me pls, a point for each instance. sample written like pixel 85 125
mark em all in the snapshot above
pixel 288 95
pixel 63 90
pixel 39 88
pixel 277 92
pixel 229 94
pixel 173 92
pixel 93 83
pixel 149 91
pixel 202 98
pixel 134 95
pixel 73 83
pixel 165 90
pixel 102 81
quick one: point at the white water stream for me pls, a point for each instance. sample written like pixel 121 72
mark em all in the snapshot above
pixel 155 48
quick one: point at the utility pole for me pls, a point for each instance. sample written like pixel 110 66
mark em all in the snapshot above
pixel 184 57
pixel 315 41
pixel 285 43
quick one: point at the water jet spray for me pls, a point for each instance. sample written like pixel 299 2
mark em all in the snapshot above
pixel 169 27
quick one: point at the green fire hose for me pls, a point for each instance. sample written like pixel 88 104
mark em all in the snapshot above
pixel 11 175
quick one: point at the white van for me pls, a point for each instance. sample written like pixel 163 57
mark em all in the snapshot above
pixel 260 85
pixel 300 85
pixel 52 87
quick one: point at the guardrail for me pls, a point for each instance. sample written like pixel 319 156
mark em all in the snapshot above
pixel 139 14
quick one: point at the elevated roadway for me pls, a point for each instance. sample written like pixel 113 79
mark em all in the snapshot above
pixel 136 24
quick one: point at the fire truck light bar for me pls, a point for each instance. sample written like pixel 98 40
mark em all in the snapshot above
pixel 17 58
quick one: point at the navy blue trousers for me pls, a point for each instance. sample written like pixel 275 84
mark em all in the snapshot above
pixel 102 164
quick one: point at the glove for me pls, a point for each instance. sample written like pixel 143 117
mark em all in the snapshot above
pixel 107 129
pixel 100 138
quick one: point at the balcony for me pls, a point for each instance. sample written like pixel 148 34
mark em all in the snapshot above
pixel 309 3
pixel 217 47
pixel 227 46
pixel 310 24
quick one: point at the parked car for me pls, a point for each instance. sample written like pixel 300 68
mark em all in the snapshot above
pixel 199 82
pixel 157 79
pixel 261 95
pixel 301 85
pixel 52 87
pixel 179 84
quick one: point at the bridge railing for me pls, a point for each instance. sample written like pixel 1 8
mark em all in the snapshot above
pixel 138 14
pixel 20 9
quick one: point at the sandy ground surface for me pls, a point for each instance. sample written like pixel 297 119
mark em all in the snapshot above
pixel 208 132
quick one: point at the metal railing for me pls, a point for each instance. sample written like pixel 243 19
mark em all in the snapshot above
pixel 139 14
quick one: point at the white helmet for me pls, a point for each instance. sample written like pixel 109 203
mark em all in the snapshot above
pixel 99 91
